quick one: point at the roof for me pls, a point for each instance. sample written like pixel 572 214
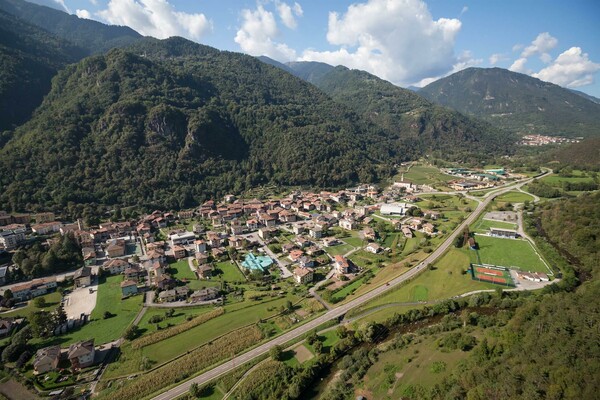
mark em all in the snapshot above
pixel 3 271
pixel 81 349
pixel 301 272
pixel 257 262
pixel 128 283
pixel 46 355
pixel 83 272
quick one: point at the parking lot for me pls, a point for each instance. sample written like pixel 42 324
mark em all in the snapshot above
pixel 81 300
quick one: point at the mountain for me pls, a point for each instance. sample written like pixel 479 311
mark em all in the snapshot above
pixel 586 96
pixel 275 63
pixel 516 102
pixel 30 57
pixel 405 116
pixel 585 154
pixel 169 123
pixel 93 36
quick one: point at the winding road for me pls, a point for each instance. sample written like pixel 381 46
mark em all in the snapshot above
pixel 338 312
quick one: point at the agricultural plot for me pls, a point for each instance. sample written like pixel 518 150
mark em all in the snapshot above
pixel 426 175
pixel 577 177
pixel 514 197
pixel 511 253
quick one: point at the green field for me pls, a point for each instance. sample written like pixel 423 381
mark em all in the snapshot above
pixel 181 270
pixel 508 253
pixel 514 197
pixel 338 250
pixel 425 174
pixel 354 241
pixel 180 316
pixel 52 301
pixel 348 289
pixel 229 272
pixel 577 177
pixel 484 225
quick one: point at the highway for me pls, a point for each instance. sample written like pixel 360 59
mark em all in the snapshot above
pixel 341 310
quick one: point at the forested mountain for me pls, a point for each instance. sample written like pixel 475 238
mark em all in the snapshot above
pixel 586 96
pixel 29 58
pixel 93 36
pixel 406 116
pixel 516 102
pixel 167 123
pixel 585 154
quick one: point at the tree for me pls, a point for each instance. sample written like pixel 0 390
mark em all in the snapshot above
pixel 107 315
pixel 60 316
pixel 276 353
pixel 195 390
pixel 39 302
pixel 318 346
pixel 41 324
pixel 170 312
pixel 132 332
pixel 8 294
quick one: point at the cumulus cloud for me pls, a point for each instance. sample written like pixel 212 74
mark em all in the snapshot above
pixel 397 40
pixel 572 68
pixel 541 45
pixel 83 14
pixel 157 18
pixel 257 35
pixel 63 5
pixel 496 58
pixel 463 61
pixel 288 14
pixel 519 66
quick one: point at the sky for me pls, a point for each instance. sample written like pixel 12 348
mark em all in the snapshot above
pixel 407 42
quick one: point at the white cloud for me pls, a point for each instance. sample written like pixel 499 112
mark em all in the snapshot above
pixel 157 18
pixel 541 45
pixel 572 68
pixel 257 33
pixel 519 66
pixel 286 13
pixel 94 2
pixel 83 14
pixel 517 47
pixel 464 10
pixel 464 60
pixel 397 40
pixel 496 58
pixel 63 5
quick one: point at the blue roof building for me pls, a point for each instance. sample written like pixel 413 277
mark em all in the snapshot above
pixel 253 262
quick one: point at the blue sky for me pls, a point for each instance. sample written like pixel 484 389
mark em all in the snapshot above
pixel 408 42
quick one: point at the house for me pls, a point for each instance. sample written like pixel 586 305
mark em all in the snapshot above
pixel 41 218
pixel 369 233
pixel 165 282
pixel 341 265
pixel 268 220
pixel 204 271
pixel 81 354
pixel 200 246
pixel 305 262
pixel 179 293
pixel 46 359
pixel 373 248
pixel 298 229
pixel 209 293
pixel 295 255
pixel 37 287
pixel 287 216
pixel 265 233
pixel 347 223
pixel 83 277
pixel 116 266
pixel 434 215
pixel 237 241
pixel 116 249
pixel 182 238
pixel 178 252
pixel 128 288
pixel 46 228
pixel 302 242
pixel 198 228
pixel 407 232
pixel 303 275
pixel 504 233
pixel 416 224
pixel 133 272
pixel 252 224
pixel 213 239
pixel 3 274
pixel 428 228
pixel 330 241
pixel 89 256
pixel 286 248
pixel 185 214
pixel 10 239
pixel 202 258
pixel 315 232
pixel 6 325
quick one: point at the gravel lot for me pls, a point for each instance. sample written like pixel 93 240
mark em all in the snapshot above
pixel 81 301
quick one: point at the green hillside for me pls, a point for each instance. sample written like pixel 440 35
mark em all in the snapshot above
pixel 516 102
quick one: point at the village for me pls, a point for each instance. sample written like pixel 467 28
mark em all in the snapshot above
pixel 325 246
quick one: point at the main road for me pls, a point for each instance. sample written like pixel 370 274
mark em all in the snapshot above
pixel 339 311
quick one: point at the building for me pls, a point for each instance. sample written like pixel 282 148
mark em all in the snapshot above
pixel 407 232
pixel 37 287
pixel 46 228
pixel 6 326
pixel 347 223
pixel 505 233
pixel 89 256
pixel 209 293
pixel 128 288
pixel 46 359
pixel 10 239
pixel 341 265
pixel 373 248
pixel 315 232
pixel 305 262
pixel 116 249
pixel 178 252
pixel 81 354
pixel 200 246
pixel 394 209
pixel 3 274
pixel 115 267
pixel 533 276
pixel 257 263
pixel 428 228
pixel 330 241
pixel 182 238
pixel 133 272
pixel 303 275
pixel 83 277
pixel 204 271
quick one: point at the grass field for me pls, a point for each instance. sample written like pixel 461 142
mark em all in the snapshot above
pixel 229 272
pixel 348 289
pixel 52 301
pixel 514 197
pixel 578 177
pixel 396 372
pixel 338 250
pixel 484 225
pixel 445 281
pixel 425 174
pixel 508 253
pixel 181 270
pixel 180 316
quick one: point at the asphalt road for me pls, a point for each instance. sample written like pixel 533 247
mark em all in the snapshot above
pixel 336 312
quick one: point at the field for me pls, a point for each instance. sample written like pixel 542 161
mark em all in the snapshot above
pixel 514 197
pixel 577 177
pixel 52 301
pixel 180 316
pixel 338 250
pixel 508 253
pixel 447 279
pixel 424 175
pixel 397 372
pixel 181 270
pixel 229 272
pixel 484 225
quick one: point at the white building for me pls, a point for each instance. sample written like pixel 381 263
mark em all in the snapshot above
pixel 394 209
pixel 182 238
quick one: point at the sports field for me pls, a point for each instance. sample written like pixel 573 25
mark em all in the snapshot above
pixel 484 225
pixel 511 253
pixel 487 274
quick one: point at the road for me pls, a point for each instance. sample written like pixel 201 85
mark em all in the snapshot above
pixel 339 311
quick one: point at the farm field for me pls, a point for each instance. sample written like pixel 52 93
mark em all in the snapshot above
pixel 514 197
pixel 577 177
pixel 178 317
pixel 425 174
pixel 508 253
